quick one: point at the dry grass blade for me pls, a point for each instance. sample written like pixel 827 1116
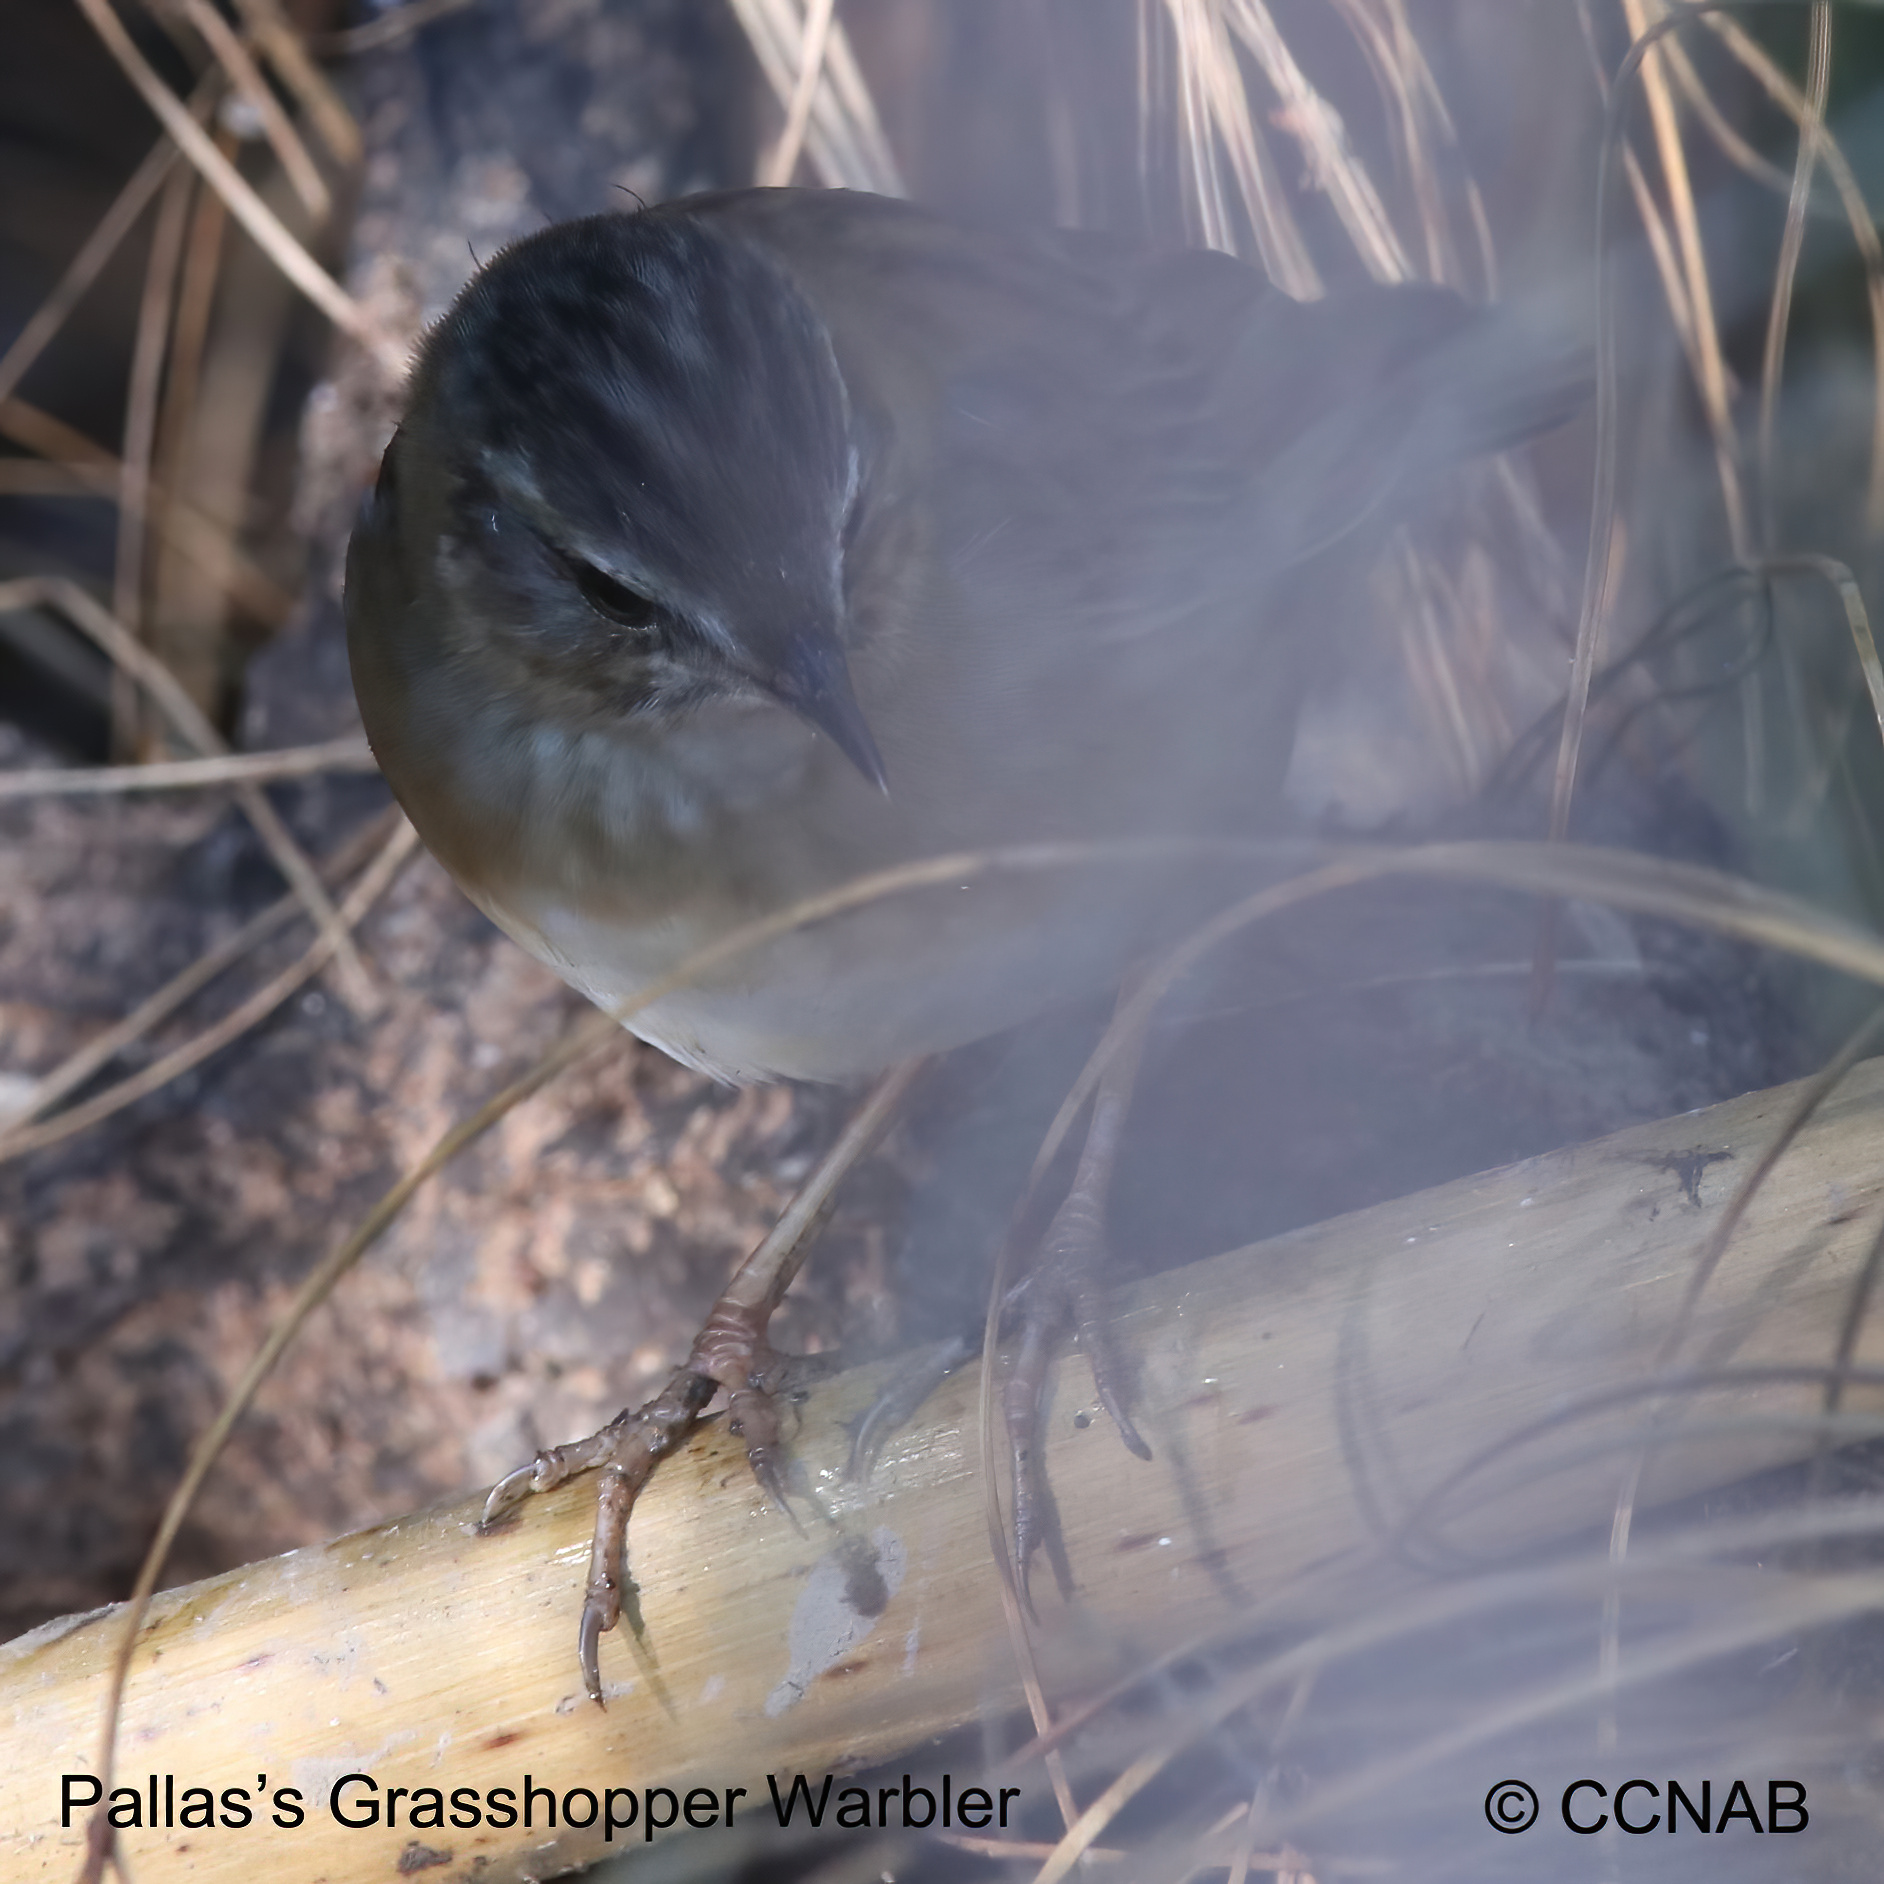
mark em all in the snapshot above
pixel 84 268
pixel 1713 120
pixel 178 467
pixel 140 437
pixel 1807 1604
pixel 1433 603
pixel 1412 94
pixel 1654 223
pixel 1015 1850
pixel 1602 568
pixel 1642 885
pixel 285 50
pixel 84 781
pixel 1457 656
pixel 1317 127
pixel 1770 1609
pixel 32 477
pixel 1857 618
pixel 392 28
pixel 1662 252
pixel 90 466
pixel 187 718
pixel 284 140
pixel 843 134
pixel 1791 243
pixel 1781 89
pixel 211 1040
pixel 778 168
pixel 1246 1856
pixel 1217 117
pixel 152 1012
pixel 255 216
pixel 1197 151
pixel 24 1140
pixel 1649 29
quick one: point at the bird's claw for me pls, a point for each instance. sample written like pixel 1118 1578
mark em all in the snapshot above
pixel 627 1450
pixel 730 1352
pixel 1063 1290
pixel 597 1619
pixel 896 1405
pixel 507 1494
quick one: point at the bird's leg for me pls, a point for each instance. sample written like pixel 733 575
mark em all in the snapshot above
pixel 731 1353
pixel 1067 1287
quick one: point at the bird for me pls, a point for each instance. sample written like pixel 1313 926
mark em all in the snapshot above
pixel 734 548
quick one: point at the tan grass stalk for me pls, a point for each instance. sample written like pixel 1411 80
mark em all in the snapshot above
pixel 1602 569
pixel 1716 398
pixel 19 1142
pixel 245 76
pixel 1758 1618
pixel 843 134
pixel 1791 243
pixel 1315 124
pixel 103 628
pixel 285 50
pixel 34 477
pixel 206 542
pixel 140 432
pixel 98 1052
pixel 1713 121
pixel 1404 96
pixel 1197 148
pixel 1667 266
pixel 263 225
pixel 778 168
pixel 1426 101
pixel 196 302
pixel 392 28
pixel 85 781
pixel 84 268
pixel 1218 119
pixel 1779 87
pixel 1433 603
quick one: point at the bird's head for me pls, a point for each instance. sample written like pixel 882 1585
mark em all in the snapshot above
pixel 627 465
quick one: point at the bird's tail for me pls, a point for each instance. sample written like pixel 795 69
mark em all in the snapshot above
pixel 1387 387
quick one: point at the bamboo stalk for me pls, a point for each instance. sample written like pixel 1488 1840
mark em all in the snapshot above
pixel 1305 1399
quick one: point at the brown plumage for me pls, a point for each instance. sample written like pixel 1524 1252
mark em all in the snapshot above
pixel 738 547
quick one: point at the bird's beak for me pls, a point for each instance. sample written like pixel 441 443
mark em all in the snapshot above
pixel 814 681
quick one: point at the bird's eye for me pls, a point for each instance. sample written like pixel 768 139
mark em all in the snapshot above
pixel 616 600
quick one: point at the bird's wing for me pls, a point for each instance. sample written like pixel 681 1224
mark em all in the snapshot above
pixel 1178 379
pixel 1143 424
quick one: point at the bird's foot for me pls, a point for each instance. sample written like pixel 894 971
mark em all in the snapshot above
pixel 730 1353
pixel 918 1375
pixel 627 1450
pixel 1064 1291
